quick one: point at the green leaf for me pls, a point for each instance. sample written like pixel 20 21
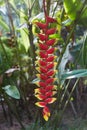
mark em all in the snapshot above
pixel 83 18
pixel 12 91
pixel 56 36
pixel 72 7
pixel 74 74
pixel 3 24
pixel 24 32
pixel 2 2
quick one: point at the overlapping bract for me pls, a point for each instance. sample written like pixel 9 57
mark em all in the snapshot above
pixel 46 67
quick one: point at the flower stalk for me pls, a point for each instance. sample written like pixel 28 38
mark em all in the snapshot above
pixel 46 65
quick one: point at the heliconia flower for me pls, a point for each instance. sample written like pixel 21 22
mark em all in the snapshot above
pixel 41 25
pixel 46 65
pixel 50 42
pixel 51 31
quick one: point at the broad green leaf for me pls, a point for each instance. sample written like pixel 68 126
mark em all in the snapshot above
pixel 12 91
pixel 83 18
pixel 24 32
pixel 74 74
pixel 72 7
pixel 64 60
pixel 4 25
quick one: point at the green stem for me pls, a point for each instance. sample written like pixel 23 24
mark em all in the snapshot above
pixel 66 103
pixel 48 6
pixel 5 53
pixel 10 17
pixel 63 95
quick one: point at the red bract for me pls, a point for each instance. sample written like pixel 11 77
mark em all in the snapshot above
pixel 49 87
pixel 40 96
pixel 50 100
pixel 42 76
pixel 50 73
pixel 42 63
pixel 41 25
pixel 43 70
pixel 51 20
pixel 42 37
pixel 43 55
pixel 50 58
pixel 50 81
pixel 43 46
pixel 42 84
pixel 50 66
pixel 50 51
pixel 51 31
pixel 46 64
pixel 41 104
pixel 50 42
pixel 46 113
pixel 49 94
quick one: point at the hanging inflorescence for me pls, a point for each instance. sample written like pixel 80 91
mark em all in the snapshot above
pixel 46 65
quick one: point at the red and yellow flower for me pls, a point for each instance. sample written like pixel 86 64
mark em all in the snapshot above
pixel 46 66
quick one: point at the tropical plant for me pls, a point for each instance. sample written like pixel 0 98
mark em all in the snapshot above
pixel 30 30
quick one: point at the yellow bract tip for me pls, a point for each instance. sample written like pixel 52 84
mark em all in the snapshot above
pixel 45 117
pixel 38 75
pixel 38 69
pixel 55 64
pixel 37 83
pixel 54 92
pixel 55 87
pixel 36 90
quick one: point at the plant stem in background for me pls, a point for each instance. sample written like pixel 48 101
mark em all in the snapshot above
pixel 5 53
pixel 69 97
